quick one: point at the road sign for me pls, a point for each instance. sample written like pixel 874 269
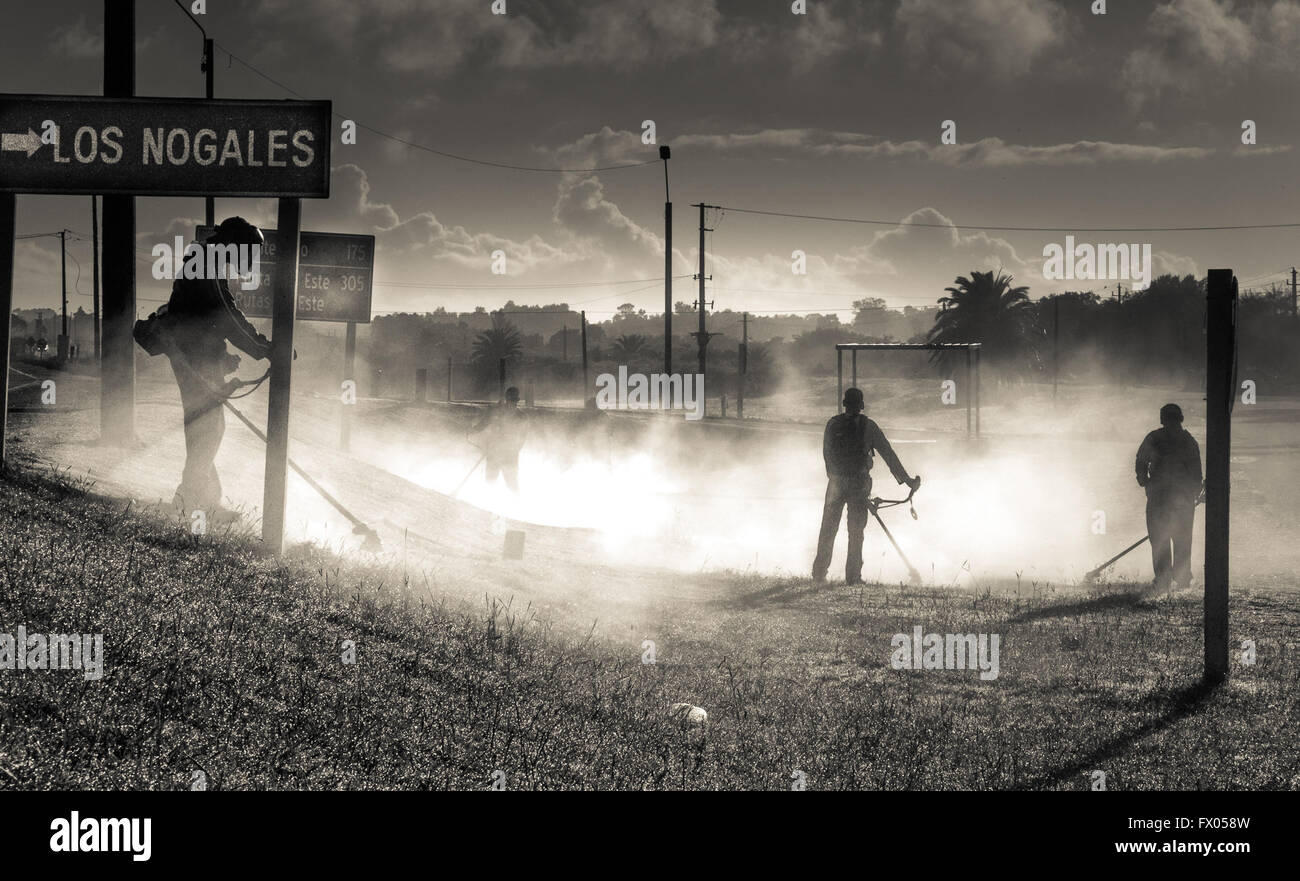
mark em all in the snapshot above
pixel 164 146
pixel 335 275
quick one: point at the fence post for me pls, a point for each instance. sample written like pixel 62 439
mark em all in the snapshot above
pixel 1220 343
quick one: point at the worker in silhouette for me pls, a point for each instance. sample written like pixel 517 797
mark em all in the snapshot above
pixel 503 429
pixel 1169 468
pixel 203 315
pixel 847 446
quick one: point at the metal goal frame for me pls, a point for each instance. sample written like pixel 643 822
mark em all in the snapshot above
pixel 972 372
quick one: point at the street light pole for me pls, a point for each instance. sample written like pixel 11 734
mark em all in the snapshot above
pixel 208 66
pixel 665 154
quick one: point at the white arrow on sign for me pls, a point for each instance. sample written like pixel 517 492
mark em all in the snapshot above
pixel 31 142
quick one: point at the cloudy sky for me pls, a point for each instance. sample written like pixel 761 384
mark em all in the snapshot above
pixel 1064 119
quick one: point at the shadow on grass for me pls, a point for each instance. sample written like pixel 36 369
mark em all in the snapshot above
pixel 1180 704
pixel 783 593
pixel 1106 603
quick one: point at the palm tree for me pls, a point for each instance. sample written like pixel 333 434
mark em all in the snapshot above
pixel 501 341
pixel 629 347
pixel 985 309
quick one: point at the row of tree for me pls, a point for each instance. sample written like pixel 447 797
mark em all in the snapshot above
pixel 1154 336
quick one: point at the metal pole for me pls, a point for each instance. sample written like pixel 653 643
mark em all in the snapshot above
pixel 1220 322
pixel 703 337
pixel 743 364
pixel 283 304
pixel 117 376
pixel 978 375
pixel 209 204
pixel 854 361
pixel 63 274
pixel 448 379
pixel 668 287
pixel 94 243
pixel 501 379
pixel 968 395
pixel 349 373
pixel 585 387
pixel 839 379
pixel 665 153
pixel 1056 344
pixel 8 208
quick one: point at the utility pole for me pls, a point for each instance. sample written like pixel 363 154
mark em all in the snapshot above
pixel 63 273
pixel 742 364
pixel 206 65
pixel 117 375
pixel 1220 346
pixel 564 343
pixel 665 154
pixel 8 213
pixel 209 204
pixel 349 375
pixel 702 335
pixel 584 359
pixel 1293 300
pixel 94 244
pixel 283 306
pixel 1056 343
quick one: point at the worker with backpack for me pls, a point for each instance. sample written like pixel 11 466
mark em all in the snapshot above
pixel 847 446
pixel 192 330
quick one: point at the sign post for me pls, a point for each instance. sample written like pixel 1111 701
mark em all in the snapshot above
pixel 335 276
pixel 349 375
pixel 1221 341
pixel 277 411
pixel 122 147
pixel 8 209
pixel 87 145
pixel 117 316
pixel 335 283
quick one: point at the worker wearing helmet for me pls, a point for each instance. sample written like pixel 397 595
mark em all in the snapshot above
pixel 203 316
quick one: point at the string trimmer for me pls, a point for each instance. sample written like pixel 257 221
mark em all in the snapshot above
pixel 371 542
pixel 875 504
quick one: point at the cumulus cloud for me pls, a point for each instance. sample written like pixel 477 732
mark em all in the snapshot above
pixel 1192 45
pixel 617 35
pixel 416 37
pixel 422 243
pixel 1001 37
pixel 929 257
pixel 77 40
pixel 612 147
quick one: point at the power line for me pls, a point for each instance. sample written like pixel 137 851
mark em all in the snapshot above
pixel 443 153
pixel 1066 229
pixel 506 287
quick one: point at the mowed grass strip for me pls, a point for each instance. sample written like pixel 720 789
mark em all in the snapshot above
pixel 220 661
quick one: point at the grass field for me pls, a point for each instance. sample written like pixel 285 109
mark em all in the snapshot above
pixel 224 662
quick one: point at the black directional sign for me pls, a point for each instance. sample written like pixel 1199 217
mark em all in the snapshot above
pixel 335 276
pixel 164 146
